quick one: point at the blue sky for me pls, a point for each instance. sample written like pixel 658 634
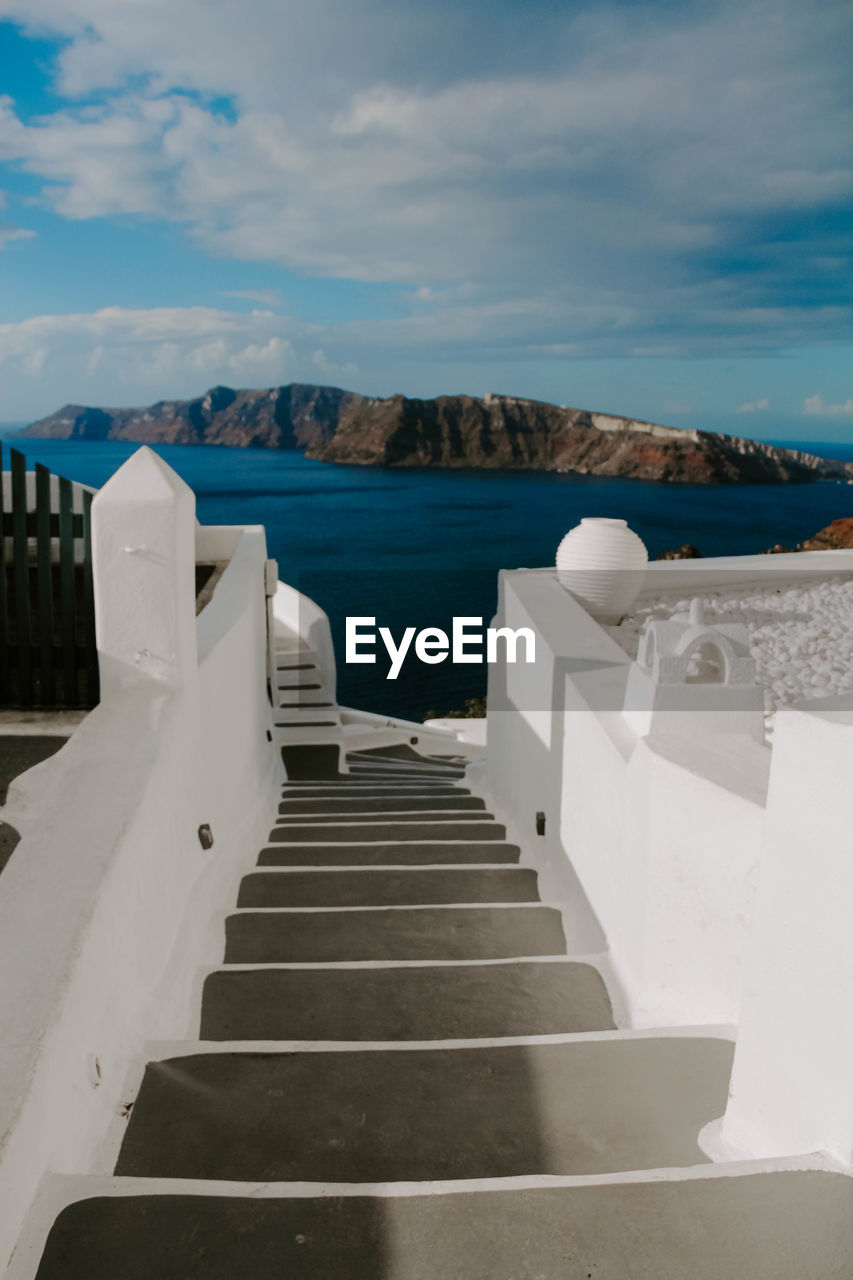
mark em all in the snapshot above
pixel 637 208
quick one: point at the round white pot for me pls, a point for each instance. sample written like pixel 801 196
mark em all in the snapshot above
pixel 603 564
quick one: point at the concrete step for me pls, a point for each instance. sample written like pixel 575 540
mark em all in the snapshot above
pixel 298 734
pixel 382 853
pixel 393 933
pixel 369 790
pixel 396 818
pixel 361 772
pixel 404 770
pixel 387 832
pixel 379 887
pixel 290 658
pixel 409 1002
pixel 380 1115
pixel 286 716
pixel 298 676
pixel 765 1225
pixel 405 757
pixel 297 805
pixel 307 697
pixel 402 752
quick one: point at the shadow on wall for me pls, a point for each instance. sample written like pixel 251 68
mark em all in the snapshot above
pixel 17 754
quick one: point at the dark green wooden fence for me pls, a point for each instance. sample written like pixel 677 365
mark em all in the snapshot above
pixel 47 605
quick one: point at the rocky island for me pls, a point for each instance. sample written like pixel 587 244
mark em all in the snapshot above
pixel 494 431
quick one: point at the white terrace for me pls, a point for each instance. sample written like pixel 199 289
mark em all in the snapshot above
pixel 291 990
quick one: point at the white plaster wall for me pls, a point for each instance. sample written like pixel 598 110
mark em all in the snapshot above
pixel 300 615
pixel 107 903
pixel 791 1085
pixel 660 836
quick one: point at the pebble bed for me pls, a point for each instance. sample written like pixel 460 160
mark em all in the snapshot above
pixel 800 633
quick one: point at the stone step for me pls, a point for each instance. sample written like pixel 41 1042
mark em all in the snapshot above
pixel 377 775
pixel 422 764
pixel 392 769
pixel 402 752
pixel 291 734
pixel 381 853
pixel 387 832
pixel 299 676
pixel 396 818
pixel 369 790
pixel 409 1002
pixel 288 716
pixel 309 696
pixel 766 1225
pixel 381 887
pixel 290 657
pixel 295 805
pixel 385 1115
pixel 393 933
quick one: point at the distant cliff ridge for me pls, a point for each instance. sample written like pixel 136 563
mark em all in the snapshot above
pixel 449 431
pixel 291 417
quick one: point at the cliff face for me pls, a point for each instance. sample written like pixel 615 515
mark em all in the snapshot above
pixel 449 431
pixel 500 431
pixel 293 417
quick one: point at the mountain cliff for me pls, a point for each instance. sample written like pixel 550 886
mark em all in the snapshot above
pixel 449 431
pixel 297 416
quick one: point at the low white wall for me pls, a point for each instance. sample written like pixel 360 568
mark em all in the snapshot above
pixel 656 838
pixel 107 902
pixel 299 614
pixel 791 1088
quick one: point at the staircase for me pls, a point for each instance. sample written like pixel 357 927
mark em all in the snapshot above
pixel 403 1073
pixel 307 711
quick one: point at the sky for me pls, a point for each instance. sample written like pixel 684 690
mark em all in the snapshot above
pixel 641 209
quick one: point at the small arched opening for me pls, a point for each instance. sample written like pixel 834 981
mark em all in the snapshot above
pixel 706 664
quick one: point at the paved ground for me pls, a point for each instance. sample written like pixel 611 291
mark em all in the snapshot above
pixel 19 752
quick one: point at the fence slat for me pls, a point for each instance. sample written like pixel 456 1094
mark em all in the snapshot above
pixel 48 653
pixel 22 577
pixel 67 594
pixel 91 651
pixel 45 587
pixel 5 692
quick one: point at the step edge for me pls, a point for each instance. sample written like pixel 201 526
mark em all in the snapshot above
pixel 403 906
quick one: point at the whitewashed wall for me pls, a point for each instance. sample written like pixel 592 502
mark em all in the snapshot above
pixel 106 904
pixel 657 839
pixel 792 1080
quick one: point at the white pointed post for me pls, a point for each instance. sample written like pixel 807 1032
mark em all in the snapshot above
pixel 143 561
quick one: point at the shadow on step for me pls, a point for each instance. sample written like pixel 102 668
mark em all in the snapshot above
pixel 380 1115
pixel 770 1226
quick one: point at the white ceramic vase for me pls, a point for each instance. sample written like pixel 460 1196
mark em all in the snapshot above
pixel 603 564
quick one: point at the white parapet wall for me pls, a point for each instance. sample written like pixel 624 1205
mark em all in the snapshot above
pixel 792 1080
pixel 656 837
pixel 107 902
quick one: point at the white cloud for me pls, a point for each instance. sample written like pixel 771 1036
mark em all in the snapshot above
pixel 141 353
pixel 9 233
pixel 267 297
pixel 754 406
pixel 585 148
pixel 816 406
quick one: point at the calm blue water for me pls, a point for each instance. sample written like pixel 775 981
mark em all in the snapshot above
pixel 413 548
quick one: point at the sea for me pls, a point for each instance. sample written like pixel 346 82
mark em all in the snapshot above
pixel 418 547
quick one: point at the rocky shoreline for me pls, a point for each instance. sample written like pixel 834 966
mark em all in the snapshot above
pixel 836 536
